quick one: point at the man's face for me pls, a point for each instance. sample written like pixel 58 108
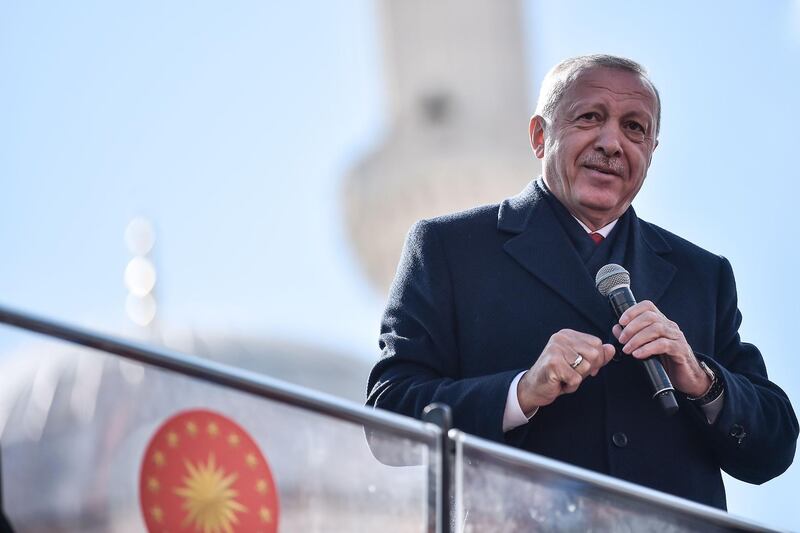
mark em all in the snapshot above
pixel 596 150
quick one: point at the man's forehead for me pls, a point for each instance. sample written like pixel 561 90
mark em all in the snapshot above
pixel 606 81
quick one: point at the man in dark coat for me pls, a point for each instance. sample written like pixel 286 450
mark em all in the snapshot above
pixel 494 312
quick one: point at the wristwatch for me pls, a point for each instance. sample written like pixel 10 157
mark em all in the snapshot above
pixel 713 391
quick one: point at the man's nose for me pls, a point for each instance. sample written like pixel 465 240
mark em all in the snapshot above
pixel 608 141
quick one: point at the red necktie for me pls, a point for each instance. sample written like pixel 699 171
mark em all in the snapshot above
pixel 596 237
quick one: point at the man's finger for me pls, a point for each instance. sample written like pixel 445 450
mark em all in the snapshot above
pixel 644 336
pixel 587 345
pixel 571 381
pixel 660 346
pixel 604 354
pixel 639 323
pixel 636 310
pixel 590 365
pixel 576 338
pixel 572 357
pixel 608 353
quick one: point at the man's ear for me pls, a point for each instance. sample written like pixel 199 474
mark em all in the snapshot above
pixel 536 134
pixel 655 145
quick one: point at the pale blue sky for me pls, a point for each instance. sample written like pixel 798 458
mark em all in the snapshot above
pixel 231 125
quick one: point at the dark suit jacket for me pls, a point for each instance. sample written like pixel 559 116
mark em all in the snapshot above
pixel 477 296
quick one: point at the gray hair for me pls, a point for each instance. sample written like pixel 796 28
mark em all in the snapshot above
pixel 559 79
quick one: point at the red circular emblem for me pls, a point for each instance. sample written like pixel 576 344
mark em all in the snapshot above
pixel 202 472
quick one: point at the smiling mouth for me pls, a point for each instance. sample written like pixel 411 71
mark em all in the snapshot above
pixel 603 170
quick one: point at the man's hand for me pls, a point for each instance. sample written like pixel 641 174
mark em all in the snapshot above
pixel 644 332
pixel 553 374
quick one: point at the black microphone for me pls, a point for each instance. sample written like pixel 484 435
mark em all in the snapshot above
pixel 614 282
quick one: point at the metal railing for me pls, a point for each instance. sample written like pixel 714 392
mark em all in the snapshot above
pixel 459 452
pixel 646 502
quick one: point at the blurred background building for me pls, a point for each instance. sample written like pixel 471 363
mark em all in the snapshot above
pixel 458 109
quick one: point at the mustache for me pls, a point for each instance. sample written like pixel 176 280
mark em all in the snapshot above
pixel 597 161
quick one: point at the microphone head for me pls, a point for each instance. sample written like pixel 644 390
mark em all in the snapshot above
pixel 611 277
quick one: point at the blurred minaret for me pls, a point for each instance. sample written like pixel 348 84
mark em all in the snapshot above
pixel 458 122
pixel 140 276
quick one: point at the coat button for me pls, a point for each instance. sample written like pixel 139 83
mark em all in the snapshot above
pixel 738 433
pixel 619 439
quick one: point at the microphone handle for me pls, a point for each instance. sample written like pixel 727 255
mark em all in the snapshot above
pixel 663 392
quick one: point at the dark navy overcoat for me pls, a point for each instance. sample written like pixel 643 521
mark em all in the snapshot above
pixel 476 298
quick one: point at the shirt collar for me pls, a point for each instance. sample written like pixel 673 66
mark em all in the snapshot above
pixel 604 231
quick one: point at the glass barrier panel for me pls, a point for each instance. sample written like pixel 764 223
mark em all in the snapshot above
pixel 93 442
pixel 501 489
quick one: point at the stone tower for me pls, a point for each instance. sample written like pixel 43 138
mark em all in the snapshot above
pixel 459 107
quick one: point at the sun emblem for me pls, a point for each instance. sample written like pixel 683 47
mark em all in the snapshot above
pixel 208 497
pixel 205 484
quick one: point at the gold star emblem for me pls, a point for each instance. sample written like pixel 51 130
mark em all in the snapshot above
pixel 265 515
pixel 209 497
pixel 234 440
pixel 191 428
pixel 212 429
pixel 159 459
pixel 261 486
pixel 172 439
pixel 157 513
pixel 153 485
pixel 251 460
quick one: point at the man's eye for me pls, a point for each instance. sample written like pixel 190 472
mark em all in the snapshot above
pixel 635 126
pixel 590 116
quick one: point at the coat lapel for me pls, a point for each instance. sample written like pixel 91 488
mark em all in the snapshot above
pixel 542 247
pixel 651 274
